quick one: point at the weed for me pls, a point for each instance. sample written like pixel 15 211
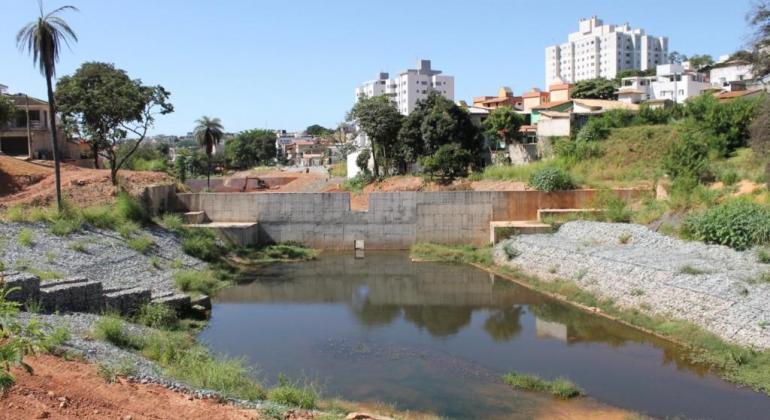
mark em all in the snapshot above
pixel 26 237
pixel 44 274
pixel 510 251
pixel 204 282
pixel 156 263
pixel 172 222
pixel 201 244
pixel 111 329
pixel 560 387
pixel 624 238
pixel 101 217
pixel 50 257
pixel 688 269
pixel 129 208
pixel 274 413
pixel 761 278
pixel 141 244
pixel 763 255
pixel 127 228
pixel 79 246
pixel 111 372
pixel 636 292
pixel 580 274
pixel 293 395
pixel 553 269
pixel 764 324
pixel 63 226
pixel 176 264
pixel 157 316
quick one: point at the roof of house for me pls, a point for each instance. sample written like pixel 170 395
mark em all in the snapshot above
pixel 548 105
pixel 737 94
pixel 627 91
pixel 527 128
pixel 533 94
pixel 602 104
pixel 555 114
pixel 19 99
pixel 560 86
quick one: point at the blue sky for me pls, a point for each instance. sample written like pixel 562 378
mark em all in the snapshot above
pixel 291 63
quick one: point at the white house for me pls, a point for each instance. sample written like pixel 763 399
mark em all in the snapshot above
pixel 674 82
pixel 725 74
pixel 597 50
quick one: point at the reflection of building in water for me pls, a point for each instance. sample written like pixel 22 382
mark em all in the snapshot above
pixel 549 329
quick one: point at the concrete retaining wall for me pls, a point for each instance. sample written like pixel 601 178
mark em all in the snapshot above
pixel 395 220
pixel 158 198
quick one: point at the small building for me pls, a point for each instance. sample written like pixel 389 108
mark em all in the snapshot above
pixel 505 97
pixel 725 74
pixel 560 92
pixel 534 98
pixel 634 90
pixel 673 81
pixel 28 134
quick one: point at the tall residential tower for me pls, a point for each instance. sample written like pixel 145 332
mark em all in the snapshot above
pixel 601 51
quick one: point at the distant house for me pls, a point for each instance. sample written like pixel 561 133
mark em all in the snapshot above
pixel 28 134
pixel 534 98
pixel 561 119
pixel 505 97
pixel 674 82
pixel 731 75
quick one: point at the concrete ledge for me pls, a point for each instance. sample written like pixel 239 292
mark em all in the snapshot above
pixel 240 234
pixel 177 301
pixel 194 217
pixel 504 229
pixel 556 213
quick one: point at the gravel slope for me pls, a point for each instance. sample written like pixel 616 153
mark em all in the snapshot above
pixel 650 272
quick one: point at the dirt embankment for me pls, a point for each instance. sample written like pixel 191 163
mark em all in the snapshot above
pixel 60 389
pixel 32 183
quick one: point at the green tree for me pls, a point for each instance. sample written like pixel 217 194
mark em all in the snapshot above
pixel 42 39
pixel 362 160
pixel 380 121
pixel 759 20
pixel 594 89
pixel 729 122
pixel 686 161
pixel 503 124
pixel 208 133
pixel 450 161
pixel 700 62
pixel 760 135
pixel 250 148
pixel 318 130
pixel 7 110
pixel 676 57
pixel 105 106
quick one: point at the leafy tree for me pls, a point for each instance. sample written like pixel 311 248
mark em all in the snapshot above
pixel 728 121
pixel 250 148
pixel 594 89
pixel 436 121
pixel 449 162
pixel 181 164
pixel 208 133
pixel 551 178
pixel 504 123
pixel 105 106
pixel 380 121
pixel 362 160
pixel 675 57
pixel 686 160
pixel 42 39
pixel 633 73
pixel 759 19
pixel 7 110
pixel 700 62
pixel 760 135
pixel 318 130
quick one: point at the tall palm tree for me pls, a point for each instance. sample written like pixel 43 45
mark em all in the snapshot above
pixel 42 39
pixel 208 132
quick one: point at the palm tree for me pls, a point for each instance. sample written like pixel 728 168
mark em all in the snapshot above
pixel 208 132
pixel 42 39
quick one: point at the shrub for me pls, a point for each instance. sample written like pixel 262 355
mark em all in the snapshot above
pixel 65 223
pixel 739 224
pixel 358 182
pixel 574 151
pixel 204 282
pixel 141 244
pixel 26 237
pixel 449 162
pixel 292 395
pixel 129 208
pixel 687 159
pixel 763 255
pixel 201 244
pixel 510 251
pixel 101 217
pixel 172 222
pixel 157 316
pixel 111 329
pixel 551 179
pixel 111 372
pixel 593 130
pixel 615 208
pixel 362 160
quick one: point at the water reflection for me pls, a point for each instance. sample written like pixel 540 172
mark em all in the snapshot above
pixel 437 337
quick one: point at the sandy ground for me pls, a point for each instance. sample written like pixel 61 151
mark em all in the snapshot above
pixel 59 389
pixel 27 183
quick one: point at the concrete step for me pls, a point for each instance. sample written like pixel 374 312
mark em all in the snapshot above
pixel 499 230
pixel 176 301
pixel 194 217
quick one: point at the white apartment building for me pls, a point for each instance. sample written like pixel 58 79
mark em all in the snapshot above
pixel 410 86
pixel 601 51
pixel 725 73
pixel 674 82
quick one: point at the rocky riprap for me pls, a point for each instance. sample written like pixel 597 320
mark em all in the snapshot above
pixel 720 289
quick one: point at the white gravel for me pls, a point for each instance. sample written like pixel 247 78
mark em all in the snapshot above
pixel 647 273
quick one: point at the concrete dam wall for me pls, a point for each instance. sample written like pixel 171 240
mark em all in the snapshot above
pixel 395 220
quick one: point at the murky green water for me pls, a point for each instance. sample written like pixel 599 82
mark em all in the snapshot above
pixel 436 337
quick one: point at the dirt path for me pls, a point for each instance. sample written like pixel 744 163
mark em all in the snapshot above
pixel 60 389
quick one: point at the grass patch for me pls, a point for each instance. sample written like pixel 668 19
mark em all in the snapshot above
pixel 44 274
pixel 737 364
pixel 204 282
pixel 171 221
pixel 157 316
pixel 281 252
pixel 763 255
pixel 101 217
pixel 688 269
pixel 127 228
pixel 560 387
pixel 141 244
pixel 293 395
pixel 111 372
pixel 79 246
pixel 339 170
pixel 202 244
pixel 26 237
pixel 624 238
pixel 465 254
pixel 112 329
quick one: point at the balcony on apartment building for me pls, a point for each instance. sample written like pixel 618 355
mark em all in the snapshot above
pixel 37 121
